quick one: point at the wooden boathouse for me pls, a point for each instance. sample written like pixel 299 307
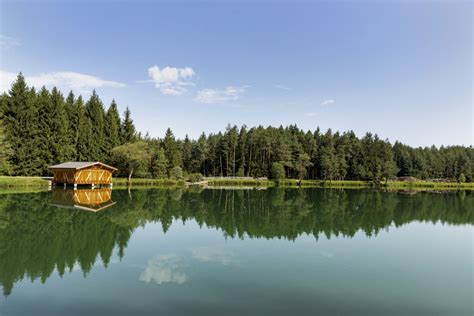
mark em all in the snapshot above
pixel 82 173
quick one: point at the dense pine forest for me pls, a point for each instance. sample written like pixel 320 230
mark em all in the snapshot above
pixel 41 128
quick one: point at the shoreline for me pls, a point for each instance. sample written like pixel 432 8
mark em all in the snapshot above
pixel 39 183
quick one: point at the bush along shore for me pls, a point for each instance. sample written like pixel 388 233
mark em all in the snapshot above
pixel 28 183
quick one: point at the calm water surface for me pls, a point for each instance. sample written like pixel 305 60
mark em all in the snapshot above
pixel 235 252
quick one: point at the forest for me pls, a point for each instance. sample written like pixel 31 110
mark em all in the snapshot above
pixel 42 128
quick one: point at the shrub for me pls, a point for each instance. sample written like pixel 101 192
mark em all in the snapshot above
pixel 277 171
pixel 195 177
pixel 176 173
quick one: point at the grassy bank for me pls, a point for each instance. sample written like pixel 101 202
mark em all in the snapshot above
pixel 38 183
pixel 25 182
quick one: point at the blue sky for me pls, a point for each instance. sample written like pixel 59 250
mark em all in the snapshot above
pixel 399 69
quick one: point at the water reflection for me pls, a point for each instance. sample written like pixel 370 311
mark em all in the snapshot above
pixel 164 269
pixel 37 239
pixel 85 199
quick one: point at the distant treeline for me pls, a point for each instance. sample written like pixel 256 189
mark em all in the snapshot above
pixel 40 128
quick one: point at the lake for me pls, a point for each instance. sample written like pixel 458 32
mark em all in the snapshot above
pixel 236 252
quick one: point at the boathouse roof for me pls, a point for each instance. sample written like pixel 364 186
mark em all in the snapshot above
pixel 77 165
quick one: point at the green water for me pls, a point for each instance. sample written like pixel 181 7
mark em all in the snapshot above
pixel 239 252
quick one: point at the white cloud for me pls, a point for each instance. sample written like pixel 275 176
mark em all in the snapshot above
pixel 171 80
pixel 207 254
pixel 327 102
pixel 164 269
pixel 311 114
pixel 8 42
pixel 215 96
pixel 67 80
pixel 282 87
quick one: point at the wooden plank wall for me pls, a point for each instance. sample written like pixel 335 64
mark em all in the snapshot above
pixel 83 176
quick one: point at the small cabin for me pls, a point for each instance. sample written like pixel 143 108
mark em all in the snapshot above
pixel 82 173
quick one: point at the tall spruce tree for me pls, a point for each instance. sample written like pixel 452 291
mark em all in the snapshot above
pixel 5 153
pixel 112 127
pixel 44 105
pixel 71 113
pixel 21 128
pixel 60 139
pixel 96 115
pixel 127 130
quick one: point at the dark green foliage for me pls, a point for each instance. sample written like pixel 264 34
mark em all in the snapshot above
pixel 127 129
pixel 112 127
pixel 195 177
pixel 5 154
pixel 278 171
pixel 131 158
pixel 176 173
pixel 95 113
pixel 172 151
pixel 22 129
pixel 159 165
pixel 43 128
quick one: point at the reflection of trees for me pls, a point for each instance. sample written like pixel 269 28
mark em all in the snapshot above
pixel 37 238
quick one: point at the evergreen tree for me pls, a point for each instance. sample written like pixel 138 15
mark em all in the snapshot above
pixel 159 165
pixel 44 105
pixel 21 129
pixel 96 116
pixel 72 118
pixel 112 127
pixel 83 136
pixel 5 153
pixel 128 133
pixel 60 140
pixel 172 152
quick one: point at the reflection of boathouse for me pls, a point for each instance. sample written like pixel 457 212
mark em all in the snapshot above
pixel 82 173
pixel 87 199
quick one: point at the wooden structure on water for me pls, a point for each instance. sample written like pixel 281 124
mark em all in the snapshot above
pixel 82 173
pixel 93 200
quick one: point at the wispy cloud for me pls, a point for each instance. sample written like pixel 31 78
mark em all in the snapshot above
pixel 81 83
pixel 220 96
pixel 311 114
pixel 164 269
pixel 8 42
pixel 282 87
pixel 327 102
pixel 171 80
pixel 207 254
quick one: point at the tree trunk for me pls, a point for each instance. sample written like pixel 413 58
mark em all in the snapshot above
pixel 130 176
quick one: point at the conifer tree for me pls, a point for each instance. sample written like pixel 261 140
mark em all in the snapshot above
pixel 21 128
pixel 112 127
pixel 159 165
pixel 128 133
pixel 60 136
pixel 44 105
pixel 172 153
pixel 95 114
pixel 71 113
pixel 5 153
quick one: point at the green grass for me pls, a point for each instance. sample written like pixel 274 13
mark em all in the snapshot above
pixel 17 182
pixel 22 184
pixel 428 185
